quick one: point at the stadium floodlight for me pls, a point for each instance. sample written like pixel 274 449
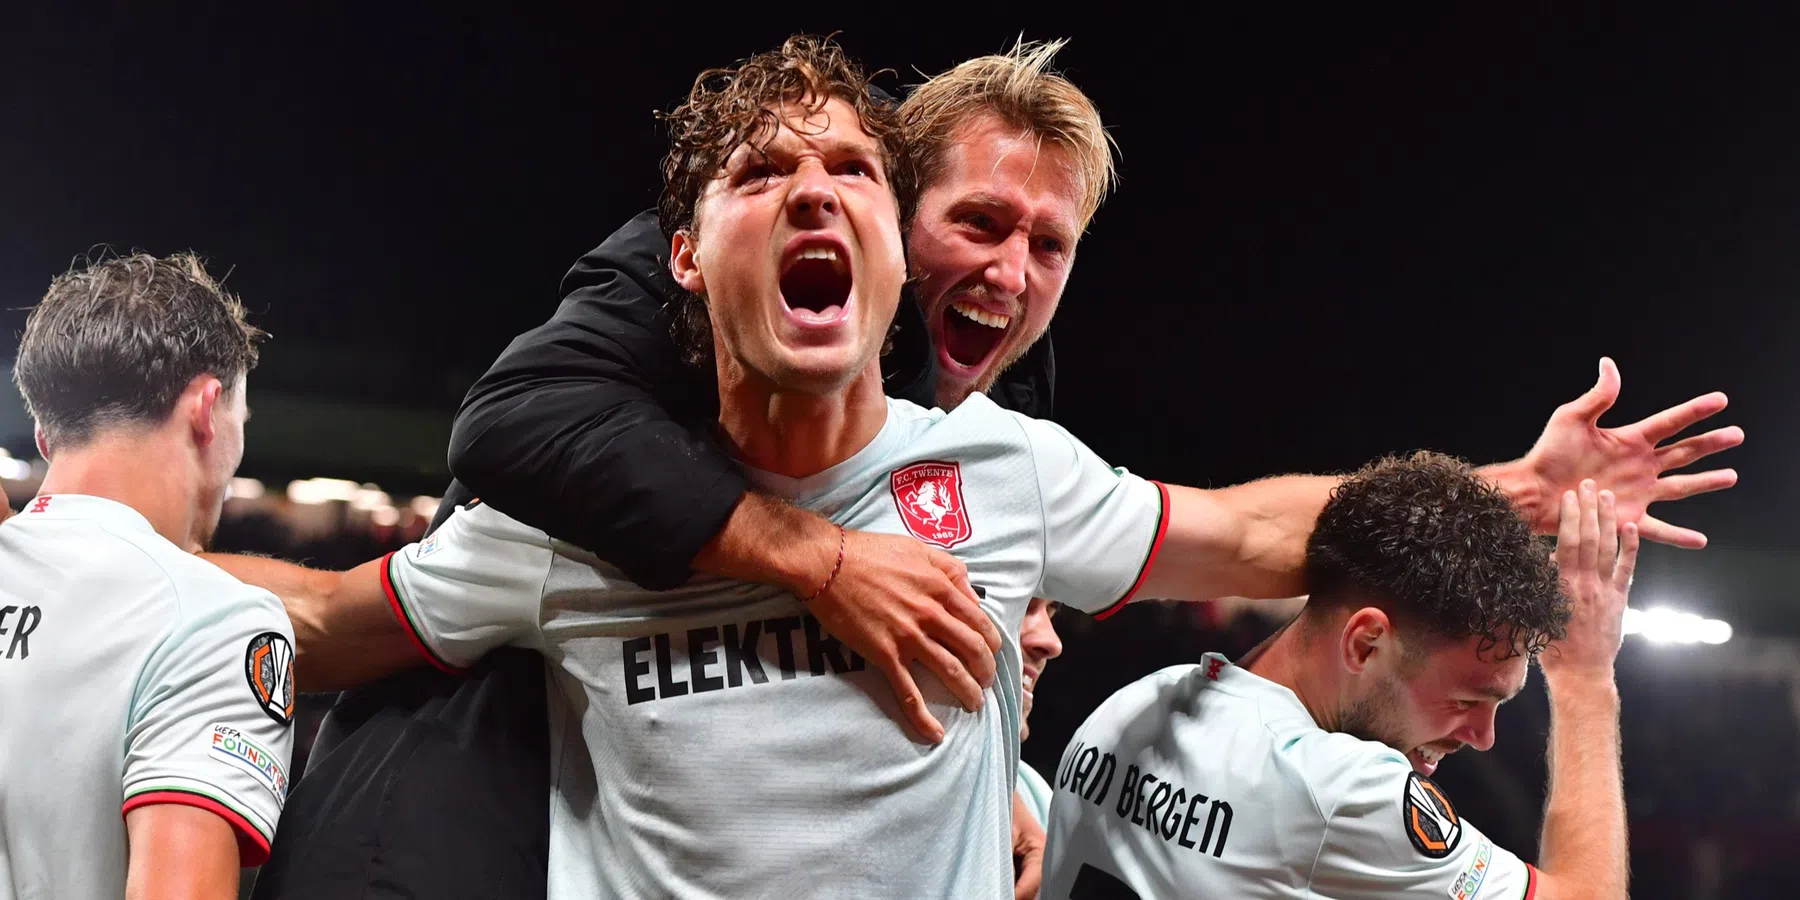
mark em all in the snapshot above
pixel 385 517
pixel 245 489
pixel 425 507
pixel 13 469
pixel 1661 625
pixel 314 491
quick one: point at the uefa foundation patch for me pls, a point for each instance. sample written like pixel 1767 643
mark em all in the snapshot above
pixel 1431 822
pixel 236 749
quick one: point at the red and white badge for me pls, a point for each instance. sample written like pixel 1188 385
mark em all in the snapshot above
pixel 930 500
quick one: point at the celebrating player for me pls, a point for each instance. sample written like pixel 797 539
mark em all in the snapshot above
pixel 723 709
pixel 1305 770
pixel 135 673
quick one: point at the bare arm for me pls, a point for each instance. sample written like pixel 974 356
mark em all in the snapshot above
pixel 180 852
pixel 1584 852
pixel 345 633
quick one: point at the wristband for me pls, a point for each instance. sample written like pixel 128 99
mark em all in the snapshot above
pixel 843 538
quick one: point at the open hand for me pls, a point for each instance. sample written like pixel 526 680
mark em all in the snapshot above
pixel 896 601
pixel 1596 556
pixel 1630 460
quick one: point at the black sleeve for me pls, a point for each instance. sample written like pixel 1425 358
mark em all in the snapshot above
pixel 591 427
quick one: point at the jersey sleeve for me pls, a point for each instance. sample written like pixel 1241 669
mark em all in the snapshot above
pixel 1102 526
pixel 471 586
pixel 1394 833
pixel 211 717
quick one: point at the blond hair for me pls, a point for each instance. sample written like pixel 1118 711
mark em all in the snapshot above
pixel 1020 88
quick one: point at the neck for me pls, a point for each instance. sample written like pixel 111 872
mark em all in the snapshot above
pixel 145 471
pixel 1286 659
pixel 795 433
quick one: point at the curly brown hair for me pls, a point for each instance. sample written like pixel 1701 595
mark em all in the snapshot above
pixel 735 105
pixel 1432 543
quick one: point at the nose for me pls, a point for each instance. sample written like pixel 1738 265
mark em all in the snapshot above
pixel 1006 271
pixel 1478 731
pixel 1038 638
pixel 812 200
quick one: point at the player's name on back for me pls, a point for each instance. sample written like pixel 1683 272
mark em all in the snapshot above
pixel 22 627
pixel 719 657
pixel 1161 807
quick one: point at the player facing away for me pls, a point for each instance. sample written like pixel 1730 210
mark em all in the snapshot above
pixel 1304 770
pixel 135 676
pixel 714 739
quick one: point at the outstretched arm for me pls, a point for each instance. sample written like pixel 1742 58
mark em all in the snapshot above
pixel 1250 540
pixel 345 632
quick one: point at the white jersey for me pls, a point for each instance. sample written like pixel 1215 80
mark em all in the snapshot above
pixel 1209 781
pixel 1035 791
pixel 131 673
pixel 716 742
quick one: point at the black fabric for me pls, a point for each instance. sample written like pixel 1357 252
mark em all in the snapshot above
pixel 590 428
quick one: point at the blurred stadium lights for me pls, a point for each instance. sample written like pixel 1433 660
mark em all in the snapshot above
pixel 245 489
pixel 314 491
pixel 13 469
pixel 425 507
pixel 1661 625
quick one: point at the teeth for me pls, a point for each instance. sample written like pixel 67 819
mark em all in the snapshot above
pixel 971 311
pixel 827 253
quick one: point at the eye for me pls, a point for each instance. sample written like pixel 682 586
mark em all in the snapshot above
pixel 758 171
pixel 980 221
pixel 1466 705
pixel 1050 245
pixel 858 168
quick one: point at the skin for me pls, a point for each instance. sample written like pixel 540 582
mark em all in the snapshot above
pixel 998 229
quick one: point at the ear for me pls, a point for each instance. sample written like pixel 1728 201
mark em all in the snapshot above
pixel 197 404
pixel 684 262
pixel 43 446
pixel 1367 633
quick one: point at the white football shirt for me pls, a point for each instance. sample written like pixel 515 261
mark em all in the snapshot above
pixel 1035 791
pixel 1209 781
pixel 716 742
pixel 131 673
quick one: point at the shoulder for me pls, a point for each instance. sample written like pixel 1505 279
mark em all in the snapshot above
pixel 1344 774
pixel 1154 693
pixel 209 595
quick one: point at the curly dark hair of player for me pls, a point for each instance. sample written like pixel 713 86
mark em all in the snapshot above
pixel 1429 542
pixel 733 106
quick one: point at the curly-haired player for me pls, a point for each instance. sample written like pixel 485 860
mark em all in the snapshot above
pixel 1305 771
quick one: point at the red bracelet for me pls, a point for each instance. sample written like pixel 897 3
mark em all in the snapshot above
pixel 843 537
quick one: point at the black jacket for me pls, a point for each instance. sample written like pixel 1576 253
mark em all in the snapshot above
pixel 592 429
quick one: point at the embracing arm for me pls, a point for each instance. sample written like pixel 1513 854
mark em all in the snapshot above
pixel 345 632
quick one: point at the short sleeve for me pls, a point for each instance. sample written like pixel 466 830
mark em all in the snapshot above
pixel 1102 525
pixel 211 717
pixel 1395 833
pixel 471 586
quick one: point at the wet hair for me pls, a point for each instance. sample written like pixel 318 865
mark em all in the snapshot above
pixel 737 105
pixel 1432 544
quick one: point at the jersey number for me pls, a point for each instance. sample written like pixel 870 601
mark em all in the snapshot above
pixel 1093 884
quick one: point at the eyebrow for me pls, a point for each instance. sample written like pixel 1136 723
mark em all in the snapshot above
pixel 1056 226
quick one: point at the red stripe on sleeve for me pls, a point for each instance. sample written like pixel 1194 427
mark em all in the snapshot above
pixel 406 625
pixel 1531 876
pixel 253 848
pixel 1162 531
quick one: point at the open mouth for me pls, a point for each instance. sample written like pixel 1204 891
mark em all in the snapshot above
pixel 1425 759
pixel 816 283
pixel 971 333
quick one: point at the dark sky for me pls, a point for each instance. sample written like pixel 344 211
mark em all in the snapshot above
pixel 1334 238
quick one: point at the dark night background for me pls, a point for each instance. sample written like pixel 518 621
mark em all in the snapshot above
pixel 1335 237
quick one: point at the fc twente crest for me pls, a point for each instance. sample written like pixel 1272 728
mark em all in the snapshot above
pixel 930 499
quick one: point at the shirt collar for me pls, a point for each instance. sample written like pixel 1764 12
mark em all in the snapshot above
pixel 1244 682
pixel 83 506
pixel 800 490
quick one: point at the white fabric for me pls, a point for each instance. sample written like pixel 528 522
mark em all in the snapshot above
pixel 715 742
pixel 1209 781
pixel 124 679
